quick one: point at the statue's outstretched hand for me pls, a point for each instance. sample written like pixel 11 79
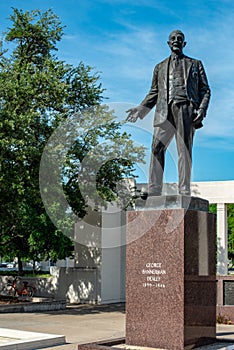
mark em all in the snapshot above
pixel 133 115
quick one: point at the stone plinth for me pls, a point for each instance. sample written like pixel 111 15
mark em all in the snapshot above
pixel 172 202
pixel 171 281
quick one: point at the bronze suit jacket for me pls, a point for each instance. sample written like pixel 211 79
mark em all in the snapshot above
pixel 197 88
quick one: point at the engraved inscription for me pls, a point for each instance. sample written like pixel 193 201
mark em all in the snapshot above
pixel 153 273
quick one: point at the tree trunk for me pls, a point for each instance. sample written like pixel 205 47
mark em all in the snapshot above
pixel 34 266
pixel 20 266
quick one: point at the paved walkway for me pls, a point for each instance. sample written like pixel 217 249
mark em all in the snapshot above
pixel 81 324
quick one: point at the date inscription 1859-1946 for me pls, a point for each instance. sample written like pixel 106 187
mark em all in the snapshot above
pixel 154 273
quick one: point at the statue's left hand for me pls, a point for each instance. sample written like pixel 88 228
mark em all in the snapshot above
pixel 197 121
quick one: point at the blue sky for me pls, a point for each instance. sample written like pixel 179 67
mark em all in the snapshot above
pixel 125 39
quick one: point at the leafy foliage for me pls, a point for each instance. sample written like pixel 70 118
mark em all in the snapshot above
pixel 230 209
pixel 38 92
pixel 230 220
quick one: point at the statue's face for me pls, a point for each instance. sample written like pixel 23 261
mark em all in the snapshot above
pixel 176 42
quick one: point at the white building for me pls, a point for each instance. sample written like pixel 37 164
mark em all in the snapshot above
pixel 101 239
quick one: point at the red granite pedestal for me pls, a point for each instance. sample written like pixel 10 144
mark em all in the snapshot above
pixel 170 278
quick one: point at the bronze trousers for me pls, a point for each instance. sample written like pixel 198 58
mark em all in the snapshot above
pixel 179 124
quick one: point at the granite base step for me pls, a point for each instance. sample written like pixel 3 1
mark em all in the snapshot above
pixel 11 339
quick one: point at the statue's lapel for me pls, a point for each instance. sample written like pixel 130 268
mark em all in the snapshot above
pixel 187 66
pixel 165 71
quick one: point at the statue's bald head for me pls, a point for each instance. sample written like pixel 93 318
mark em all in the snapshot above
pixel 177 31
pixel 176 41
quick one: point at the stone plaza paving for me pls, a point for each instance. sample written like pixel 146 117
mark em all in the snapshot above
pixel 83 324
pixel 78 323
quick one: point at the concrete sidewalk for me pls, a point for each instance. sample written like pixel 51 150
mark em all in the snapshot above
pixel 79 323
pixel 82 324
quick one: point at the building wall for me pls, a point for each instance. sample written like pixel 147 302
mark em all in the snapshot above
pixel 113 257
pixel 104 236
pixel 72 284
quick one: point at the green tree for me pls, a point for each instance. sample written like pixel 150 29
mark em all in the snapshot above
pixel 37 93
pixel 230 215
pixel 31 95
pixel 230 222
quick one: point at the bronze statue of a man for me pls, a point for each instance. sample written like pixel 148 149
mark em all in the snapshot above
pixel 181 94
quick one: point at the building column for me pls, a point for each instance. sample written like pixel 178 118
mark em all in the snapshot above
pixel 222 239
